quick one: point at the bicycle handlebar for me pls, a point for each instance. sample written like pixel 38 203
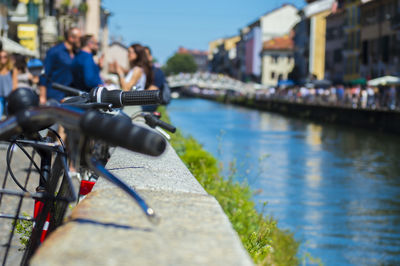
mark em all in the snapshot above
pixel 120 98
pixel 111 129
pixel 122 132
pixel 68 89
pixel 117 98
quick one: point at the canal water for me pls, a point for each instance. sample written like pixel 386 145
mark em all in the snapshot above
pixel 337 188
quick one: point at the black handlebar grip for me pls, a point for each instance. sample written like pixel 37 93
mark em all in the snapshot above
pixel 153 121
pixel 147 97
pixel 121 132
pixel 114 97
pixel 66 89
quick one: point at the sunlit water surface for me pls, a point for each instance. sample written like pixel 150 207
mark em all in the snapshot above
pixel 337 188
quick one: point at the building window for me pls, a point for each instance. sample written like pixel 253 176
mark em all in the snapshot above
pixel 337 56
pixel 272 75
pixel 358 37
pixel 364 53
pixel 357 65
pixel 385 48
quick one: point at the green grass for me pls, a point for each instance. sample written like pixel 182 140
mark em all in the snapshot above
pixel 260 235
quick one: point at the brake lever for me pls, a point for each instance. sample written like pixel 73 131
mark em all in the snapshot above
pixel 87 106
pixel 100 170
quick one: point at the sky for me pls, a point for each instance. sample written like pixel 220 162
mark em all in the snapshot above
pixel 165 25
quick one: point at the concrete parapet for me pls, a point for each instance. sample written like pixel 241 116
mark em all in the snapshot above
pixel 108 228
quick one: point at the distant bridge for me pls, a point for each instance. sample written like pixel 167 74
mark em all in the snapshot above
pixel 210 81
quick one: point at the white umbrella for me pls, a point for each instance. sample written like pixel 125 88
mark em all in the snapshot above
pixel 386 80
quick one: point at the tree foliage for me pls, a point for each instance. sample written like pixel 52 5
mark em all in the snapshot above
pixel 180 63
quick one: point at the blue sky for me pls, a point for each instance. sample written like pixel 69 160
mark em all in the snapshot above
pixel 165 25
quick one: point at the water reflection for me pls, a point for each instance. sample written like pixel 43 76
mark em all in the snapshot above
pixel 337 187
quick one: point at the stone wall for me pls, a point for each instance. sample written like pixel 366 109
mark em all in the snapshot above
pixel 108 228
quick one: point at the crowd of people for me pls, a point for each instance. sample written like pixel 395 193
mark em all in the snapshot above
pixel 382 97
pixel 73 63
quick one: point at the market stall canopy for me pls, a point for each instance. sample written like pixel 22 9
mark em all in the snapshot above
pixel 386 80
pixel 13 47
pixel 359 81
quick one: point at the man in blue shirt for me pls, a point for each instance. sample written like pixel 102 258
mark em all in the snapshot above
pixel 85 71
pixel 57 66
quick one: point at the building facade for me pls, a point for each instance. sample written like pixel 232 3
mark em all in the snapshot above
pixel 334 44
pixel 38 24
pixel 277 60
pixel 200 57
pixel 380 50
pixel 117 52
pixel 301 51
pixel 278 22
pixel 224 56
pixel 248 51
pixel 213 47
pixel 316 12
pixel 352 46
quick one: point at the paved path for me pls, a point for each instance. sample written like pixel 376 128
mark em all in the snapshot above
pixel 9 204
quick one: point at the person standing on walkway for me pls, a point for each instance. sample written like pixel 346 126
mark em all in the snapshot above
pixel 158 80
pixel 85 72
pixel 158 74
pixel 392 97
pixel 20 74
pixel 6 83
pixel 140 75
pixel 57 65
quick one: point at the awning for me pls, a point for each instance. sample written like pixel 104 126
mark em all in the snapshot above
pixel 13 47
pixel 386 80
pixel 359 81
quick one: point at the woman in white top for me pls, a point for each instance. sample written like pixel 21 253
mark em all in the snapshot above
pixel 21 76
pixel 140 75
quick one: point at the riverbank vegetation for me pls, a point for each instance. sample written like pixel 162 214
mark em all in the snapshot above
pixel 260 235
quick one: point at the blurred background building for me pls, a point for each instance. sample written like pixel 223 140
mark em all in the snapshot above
pixel 344 41
pixel 200 57
pixel 31 27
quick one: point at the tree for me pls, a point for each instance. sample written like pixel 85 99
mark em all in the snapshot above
pixel 180 63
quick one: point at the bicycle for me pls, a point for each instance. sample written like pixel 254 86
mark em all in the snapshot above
pixel 102 98
pixel 55 189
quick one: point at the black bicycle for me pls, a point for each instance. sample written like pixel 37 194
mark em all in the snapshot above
pixel 100 98
pixel 55 190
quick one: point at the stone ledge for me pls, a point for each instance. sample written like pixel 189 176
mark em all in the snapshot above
pixel 166 172
pixel 108 228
